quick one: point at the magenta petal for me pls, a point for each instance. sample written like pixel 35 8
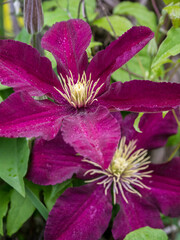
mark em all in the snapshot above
pixel 118 53
pixel 22 116
pixel 22 68
pixel 136 214
pixel 170 169
pixel 155 129
pixel 165 187
pixel 95 135
pixel 67 41
pixel 141 96
pixel 53 161
pixel 80 213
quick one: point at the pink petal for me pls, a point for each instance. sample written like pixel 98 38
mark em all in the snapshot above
pixel 67 41
pixel 141 96
pixel 22 116
pixel 22 68
pixel 155 129
pixel 136 214
pixel 95 135
pixel 53 161
pixel 80 213
pixel 118 53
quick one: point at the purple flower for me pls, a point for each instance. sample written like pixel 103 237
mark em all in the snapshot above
pixel 81 87
pixel 142 189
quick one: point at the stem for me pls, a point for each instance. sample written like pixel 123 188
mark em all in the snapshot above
pixel 166 24
pixel 37 203
pixel 1 20
pixel 157 32
pixel 156 8
pixel 175 70
pixel 82 2
pixel 107 18
pixel 79 8
pixel 176 118
pixel 34 40
pixel 178 146
pixel 170 68
pixel 85 11
pixel 140 64
pixel 149 73
pixel 127 69
pixel 174 152
pixel 132 73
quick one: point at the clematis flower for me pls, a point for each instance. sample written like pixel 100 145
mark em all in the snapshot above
pixel 80 86
pixel 142 189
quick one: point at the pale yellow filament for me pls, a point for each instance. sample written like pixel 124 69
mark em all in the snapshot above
pixel 125 171
pixel 81 93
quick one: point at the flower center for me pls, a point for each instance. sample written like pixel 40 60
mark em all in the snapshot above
pixel 125 172
pixel 81 93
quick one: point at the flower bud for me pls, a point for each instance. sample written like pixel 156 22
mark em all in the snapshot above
pixel 33 16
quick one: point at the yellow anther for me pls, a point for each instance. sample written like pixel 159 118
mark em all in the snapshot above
pixel 81 93
pixel 125 172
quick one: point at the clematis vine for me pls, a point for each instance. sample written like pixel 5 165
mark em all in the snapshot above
pixel 109 160
pixel 81 86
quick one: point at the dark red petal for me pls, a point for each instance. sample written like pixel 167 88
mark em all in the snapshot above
pixel 155 129
pixel 22 68
pixel 118 53
pixel 141 96
pixel 136 214
pixel 53 161
pixel 95 135
pixel 22 116
pixel 165 187
pixel 68 41
pixel 80 213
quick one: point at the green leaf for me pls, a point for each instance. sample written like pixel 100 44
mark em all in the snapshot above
pixel 94 44
pixel 24 36
pixel 54 16
pixel 169 47
pixel 147 233
pixel 48 5
pixel 20 211
pixel 32 192
pixel 51 58
pixel 62 10
pixel 175 139
pixel 51 193
pixel 174 14
pixel 120 24
pixel 164 113
pixel 4 201
pixel 91 46
pixel 136 122
pixel 171 1
pixel 140 12
pixel 139 64
pixel 14 154
pixel 5 93
pixel 2 87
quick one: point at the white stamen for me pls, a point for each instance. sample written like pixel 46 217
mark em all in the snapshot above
pixel 81 93
pixel 125 171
